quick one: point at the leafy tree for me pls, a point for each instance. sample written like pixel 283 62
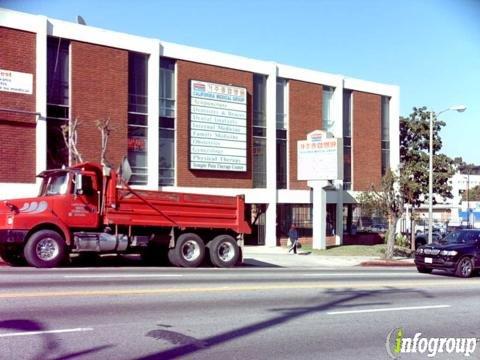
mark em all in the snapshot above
pixel 465 168
pixel 414 160
pixel 388 202
pixel 473 194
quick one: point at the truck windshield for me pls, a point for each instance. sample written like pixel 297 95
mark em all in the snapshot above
pixel 55 185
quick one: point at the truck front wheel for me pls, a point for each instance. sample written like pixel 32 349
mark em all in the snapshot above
pixel 12 257
pixel 189 250
pixel 45 249
pixel 224 251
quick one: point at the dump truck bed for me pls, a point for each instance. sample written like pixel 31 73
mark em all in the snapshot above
pixel 172 209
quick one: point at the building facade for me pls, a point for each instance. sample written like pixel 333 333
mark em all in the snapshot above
pixel 189 120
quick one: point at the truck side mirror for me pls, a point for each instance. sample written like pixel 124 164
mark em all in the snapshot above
pixel 125 170
pixel 78 184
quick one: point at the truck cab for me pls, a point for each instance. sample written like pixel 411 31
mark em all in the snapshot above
pixel 68 199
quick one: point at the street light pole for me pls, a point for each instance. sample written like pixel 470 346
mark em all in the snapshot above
pixel 468 197
pixel 430 180
pixel 458 108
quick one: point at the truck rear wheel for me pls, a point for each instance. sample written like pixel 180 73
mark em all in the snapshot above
pixel 45 249
pixel 172 257
pixel 12 257
pixel 189 250
pixel 224 251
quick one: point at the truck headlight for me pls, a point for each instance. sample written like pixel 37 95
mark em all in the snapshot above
pixel 420 251
pixel 448 252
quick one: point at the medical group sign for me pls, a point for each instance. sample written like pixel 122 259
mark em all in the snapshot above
pixel 218 127
pixel 16 82
pixel 318 157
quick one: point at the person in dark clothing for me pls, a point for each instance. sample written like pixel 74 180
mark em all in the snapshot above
pixel 293 236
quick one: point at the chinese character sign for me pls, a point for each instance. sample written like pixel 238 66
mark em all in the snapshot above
pixel 318 158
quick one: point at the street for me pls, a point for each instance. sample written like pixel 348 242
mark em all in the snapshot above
pixel 240 313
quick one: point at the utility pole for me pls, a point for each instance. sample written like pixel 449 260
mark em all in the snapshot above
pixel 469 171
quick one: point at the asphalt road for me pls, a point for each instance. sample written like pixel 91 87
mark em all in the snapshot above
pixel 241 313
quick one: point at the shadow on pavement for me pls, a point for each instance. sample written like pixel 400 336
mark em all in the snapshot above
pixel 51 343
pixel 339 298
pixel 114 260
pixel 257 263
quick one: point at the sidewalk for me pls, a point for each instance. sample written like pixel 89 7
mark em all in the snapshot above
pixel 263 256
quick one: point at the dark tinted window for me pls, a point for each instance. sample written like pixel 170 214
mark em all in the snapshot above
pixel 463 237
pixel 57 70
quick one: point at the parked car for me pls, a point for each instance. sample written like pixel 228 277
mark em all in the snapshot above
pixel 458 252
pixel 422 238
pixel 379 228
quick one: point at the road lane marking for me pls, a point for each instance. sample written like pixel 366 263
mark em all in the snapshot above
pixel 388 309
pixel 306 286
pixel 361 274
pixel 111 276
pixel 31 333
pixel 126 276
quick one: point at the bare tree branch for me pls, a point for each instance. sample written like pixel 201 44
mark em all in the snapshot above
pixel 103 125
pixel 70 137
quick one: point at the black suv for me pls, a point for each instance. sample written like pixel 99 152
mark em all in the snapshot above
pixel 458 252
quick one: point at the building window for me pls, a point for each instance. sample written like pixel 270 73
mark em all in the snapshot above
pixel 298 214
pixel 166 160
pixel 282 125
pixel 385 134
pixel 259 131
pixel 347 140
pixel 57 101
pixel 328 120
pixel 137 116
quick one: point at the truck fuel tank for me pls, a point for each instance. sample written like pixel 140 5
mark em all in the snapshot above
pixel 100 242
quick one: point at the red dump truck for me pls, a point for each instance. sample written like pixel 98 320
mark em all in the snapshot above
pixel 90 209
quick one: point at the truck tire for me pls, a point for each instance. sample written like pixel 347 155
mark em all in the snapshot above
pixel 172 257
pixel 224 251
pixel 45 249
pixel 12 257
pixel 189 250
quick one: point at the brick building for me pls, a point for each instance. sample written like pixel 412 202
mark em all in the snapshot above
pixel 52 71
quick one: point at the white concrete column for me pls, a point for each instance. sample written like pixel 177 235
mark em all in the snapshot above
pixel 338 106
pixel 41 94
pixel 319 213
pixel 339 215
pixel 394 129
pixel 271 148
pixel 153 114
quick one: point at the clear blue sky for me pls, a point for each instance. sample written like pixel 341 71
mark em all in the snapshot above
pixel 430 48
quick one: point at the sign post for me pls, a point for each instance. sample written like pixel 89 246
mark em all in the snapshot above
pixel 319 163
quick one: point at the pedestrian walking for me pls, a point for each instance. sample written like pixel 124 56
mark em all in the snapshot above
pixel 293 236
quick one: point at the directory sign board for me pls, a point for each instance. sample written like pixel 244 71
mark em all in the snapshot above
pixel 218 127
